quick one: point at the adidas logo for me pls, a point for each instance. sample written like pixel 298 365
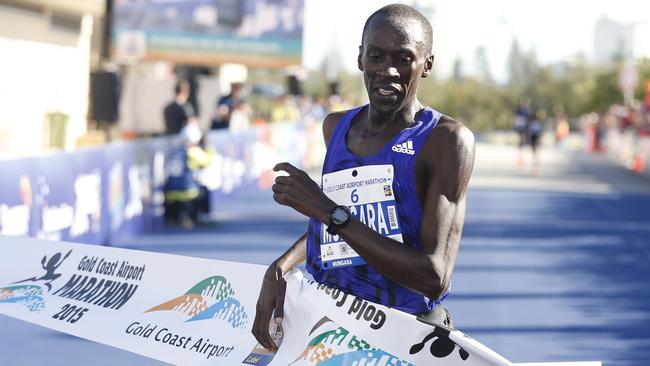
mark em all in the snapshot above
pixel 405 148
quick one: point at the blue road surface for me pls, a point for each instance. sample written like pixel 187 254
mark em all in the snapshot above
pixel 554 267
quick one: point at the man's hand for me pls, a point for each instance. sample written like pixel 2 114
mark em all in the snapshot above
pixel 269 303
pixel 300 192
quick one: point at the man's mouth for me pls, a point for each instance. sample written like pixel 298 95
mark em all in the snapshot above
pixel 386 91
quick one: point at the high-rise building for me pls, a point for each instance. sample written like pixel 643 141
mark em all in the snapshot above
pixel 613 40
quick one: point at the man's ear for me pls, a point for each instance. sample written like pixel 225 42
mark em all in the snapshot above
pixel 359 65
pixel 428 66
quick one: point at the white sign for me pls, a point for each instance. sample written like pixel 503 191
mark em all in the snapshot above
pixel 194 311
pixel 175 309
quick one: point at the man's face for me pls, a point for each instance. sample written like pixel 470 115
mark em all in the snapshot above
pixel 393 59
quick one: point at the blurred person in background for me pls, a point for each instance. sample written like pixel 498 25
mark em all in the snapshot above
pixel 535 129
pixel 179 112
pixel 185 198
pixel 305 107
pixel 336 103
pixel 646 103
pixel 319 109
pixel 226 105
pixel 630 116
pixel 421 159
pixel 285 109
pixel 260 118
pixel 561 126
pixel 520 124
pixel 240 117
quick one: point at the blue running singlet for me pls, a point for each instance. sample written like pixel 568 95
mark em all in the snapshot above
pixel 380 191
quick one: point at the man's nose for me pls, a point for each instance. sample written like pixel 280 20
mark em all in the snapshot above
pixel 388 70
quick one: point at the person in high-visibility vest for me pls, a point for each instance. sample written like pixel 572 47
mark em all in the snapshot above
pixel 184 196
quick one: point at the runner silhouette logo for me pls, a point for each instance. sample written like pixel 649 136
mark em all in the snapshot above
pixel 50 269
pixel 31 296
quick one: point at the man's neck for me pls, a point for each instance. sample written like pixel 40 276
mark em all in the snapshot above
pixel 402 118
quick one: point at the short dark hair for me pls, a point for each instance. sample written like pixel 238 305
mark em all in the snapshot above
pixel 403 13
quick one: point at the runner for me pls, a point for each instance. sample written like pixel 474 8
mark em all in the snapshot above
pixel 386 225
pixel 535 131
pixel 521 117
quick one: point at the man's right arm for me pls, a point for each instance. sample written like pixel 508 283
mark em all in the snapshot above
pixel 295 255
pixel 271 299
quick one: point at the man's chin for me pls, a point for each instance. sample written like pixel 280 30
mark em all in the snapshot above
pixel 384 109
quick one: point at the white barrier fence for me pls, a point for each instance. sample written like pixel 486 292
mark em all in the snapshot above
pixel 186 310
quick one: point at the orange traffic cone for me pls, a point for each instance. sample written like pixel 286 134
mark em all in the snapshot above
pixel 638 163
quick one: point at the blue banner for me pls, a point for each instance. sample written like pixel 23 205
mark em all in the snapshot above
pixel 99 195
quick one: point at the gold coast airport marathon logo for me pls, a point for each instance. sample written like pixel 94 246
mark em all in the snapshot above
pixel 212 298
pixel 31 295
pixel 332 345
pixel 95 283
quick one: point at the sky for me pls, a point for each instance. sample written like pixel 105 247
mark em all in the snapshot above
pixel 556 29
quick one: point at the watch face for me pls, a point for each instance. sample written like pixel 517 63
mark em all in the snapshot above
pixel 339 215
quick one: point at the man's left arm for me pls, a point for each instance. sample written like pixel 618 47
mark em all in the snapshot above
pixel 450 161
pixel 426 270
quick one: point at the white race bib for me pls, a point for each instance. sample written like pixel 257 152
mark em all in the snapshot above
pixel 368 192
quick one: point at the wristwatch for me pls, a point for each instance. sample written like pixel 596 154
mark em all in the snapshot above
pixel 339 217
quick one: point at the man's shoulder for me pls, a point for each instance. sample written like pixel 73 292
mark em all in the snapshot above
pixel 448 154
pixel 450 133
pixel 334 117
pixel 331 121
pixel 450 142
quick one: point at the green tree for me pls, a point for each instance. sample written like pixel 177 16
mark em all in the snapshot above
pixel 482 65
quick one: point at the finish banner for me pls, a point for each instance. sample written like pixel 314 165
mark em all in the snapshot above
pixel 195 311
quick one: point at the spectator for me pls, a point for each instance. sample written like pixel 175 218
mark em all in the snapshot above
pixel 226 105
pixel 179 111
pixel 185 198
pixel 240 117
pixel 521 117
pixel 561 126
pixel 535 129
pixel 285 110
